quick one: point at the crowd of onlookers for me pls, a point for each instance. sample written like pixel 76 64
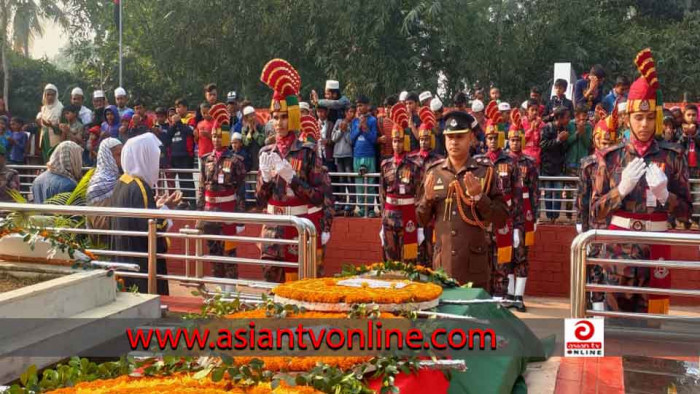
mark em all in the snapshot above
pixel 558 131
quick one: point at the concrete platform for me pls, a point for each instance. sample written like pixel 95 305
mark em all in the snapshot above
pixel 49 321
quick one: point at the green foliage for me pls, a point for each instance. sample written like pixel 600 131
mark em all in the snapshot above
pixel 64 375
pixel 172 48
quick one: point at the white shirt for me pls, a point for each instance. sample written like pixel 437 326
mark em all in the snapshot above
pixel 85 115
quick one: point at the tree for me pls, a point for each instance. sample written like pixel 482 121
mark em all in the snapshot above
pixel 26 16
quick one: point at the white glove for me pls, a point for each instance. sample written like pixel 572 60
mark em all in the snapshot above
pixel 657 182
pixel 240 229
pixel 325 236
pixel 381 235
pixel 630 176
pixel 285 170
pixel 516 238
pixel 265 167
pixel 421 235
pixel 579 228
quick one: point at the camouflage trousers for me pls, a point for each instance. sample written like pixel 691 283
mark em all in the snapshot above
pixel 222 270
pixel 518 266
pixel 627 276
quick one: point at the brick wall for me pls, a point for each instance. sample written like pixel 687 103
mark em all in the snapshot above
pixel 356 240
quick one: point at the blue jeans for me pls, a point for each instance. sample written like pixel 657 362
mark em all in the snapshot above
pixel 553 205
pixel 371 165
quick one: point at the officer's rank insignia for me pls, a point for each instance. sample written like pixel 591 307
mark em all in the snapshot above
pixel 439 185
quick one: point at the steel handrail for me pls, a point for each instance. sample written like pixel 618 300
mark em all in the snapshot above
pixel 306 240
pixel 579 261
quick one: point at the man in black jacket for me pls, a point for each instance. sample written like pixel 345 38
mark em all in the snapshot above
pixel 553 144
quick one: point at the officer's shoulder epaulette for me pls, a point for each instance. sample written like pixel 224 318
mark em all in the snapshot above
pixel 436 163
pixel 483 161
pixel 385 161
pixel 613 148
pixel 588 160
pixel 309 145
pixel 671 146
pixel 267 148
pixel 207 155
pixel 525 157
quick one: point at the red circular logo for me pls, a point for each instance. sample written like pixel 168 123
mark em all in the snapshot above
pixel 584 330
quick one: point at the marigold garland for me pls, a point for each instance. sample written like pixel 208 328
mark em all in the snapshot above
pixel 180 383
pixel 301 364
pixel 326 290
pixel 413 272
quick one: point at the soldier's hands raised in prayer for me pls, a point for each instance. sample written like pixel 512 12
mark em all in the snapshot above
pixel 657 182
pixel 630 176
pixel 473 185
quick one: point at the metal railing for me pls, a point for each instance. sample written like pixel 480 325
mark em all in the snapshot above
pixel 306 241
pixel 558 194
pixel 580 259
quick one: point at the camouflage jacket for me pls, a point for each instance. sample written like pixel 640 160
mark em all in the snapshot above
pixel 425 162
pixel 403 179
pixel 529 179
pixel 307 185
pixel 605 198
pixel 219 174
pixel 508 175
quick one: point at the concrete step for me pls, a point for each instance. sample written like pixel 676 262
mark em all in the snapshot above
pixel 57 339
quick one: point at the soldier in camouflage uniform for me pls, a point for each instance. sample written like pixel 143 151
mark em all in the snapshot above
pixel 311 133
pixel 637 184
pixel 426 156
pixel 502 239
pixel 9 178
pixel 461 195
pixel 221 189
pixel 528 195
pixel 604 135
pixel 399 182
pixel 290 176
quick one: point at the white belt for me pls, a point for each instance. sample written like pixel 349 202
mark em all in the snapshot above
pixel 526 195
pixel 639 225
pixel 294 211
pixel 400 201
pixel 220 199
pixel 314 210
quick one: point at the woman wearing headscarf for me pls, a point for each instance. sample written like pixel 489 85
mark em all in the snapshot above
pixel 48 119
pixel 64 170
pixel 103 181
pixel 134 189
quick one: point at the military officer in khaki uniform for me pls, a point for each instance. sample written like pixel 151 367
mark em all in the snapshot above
pixel 461 194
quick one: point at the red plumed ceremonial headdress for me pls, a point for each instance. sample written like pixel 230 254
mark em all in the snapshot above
pixel 284 80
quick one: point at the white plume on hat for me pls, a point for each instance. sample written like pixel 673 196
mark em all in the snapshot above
pixel 477 106
pixel 435 104
pixel 249 110
pixel 304 105
pixel 332 84
pixel 424 96
pixel 403 95
pixel 503 106
pixel 118 92
pixel 98 94
pixel 77 92
pixel 236 136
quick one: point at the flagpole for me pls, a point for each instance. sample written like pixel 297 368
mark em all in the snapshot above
pixel 120 43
